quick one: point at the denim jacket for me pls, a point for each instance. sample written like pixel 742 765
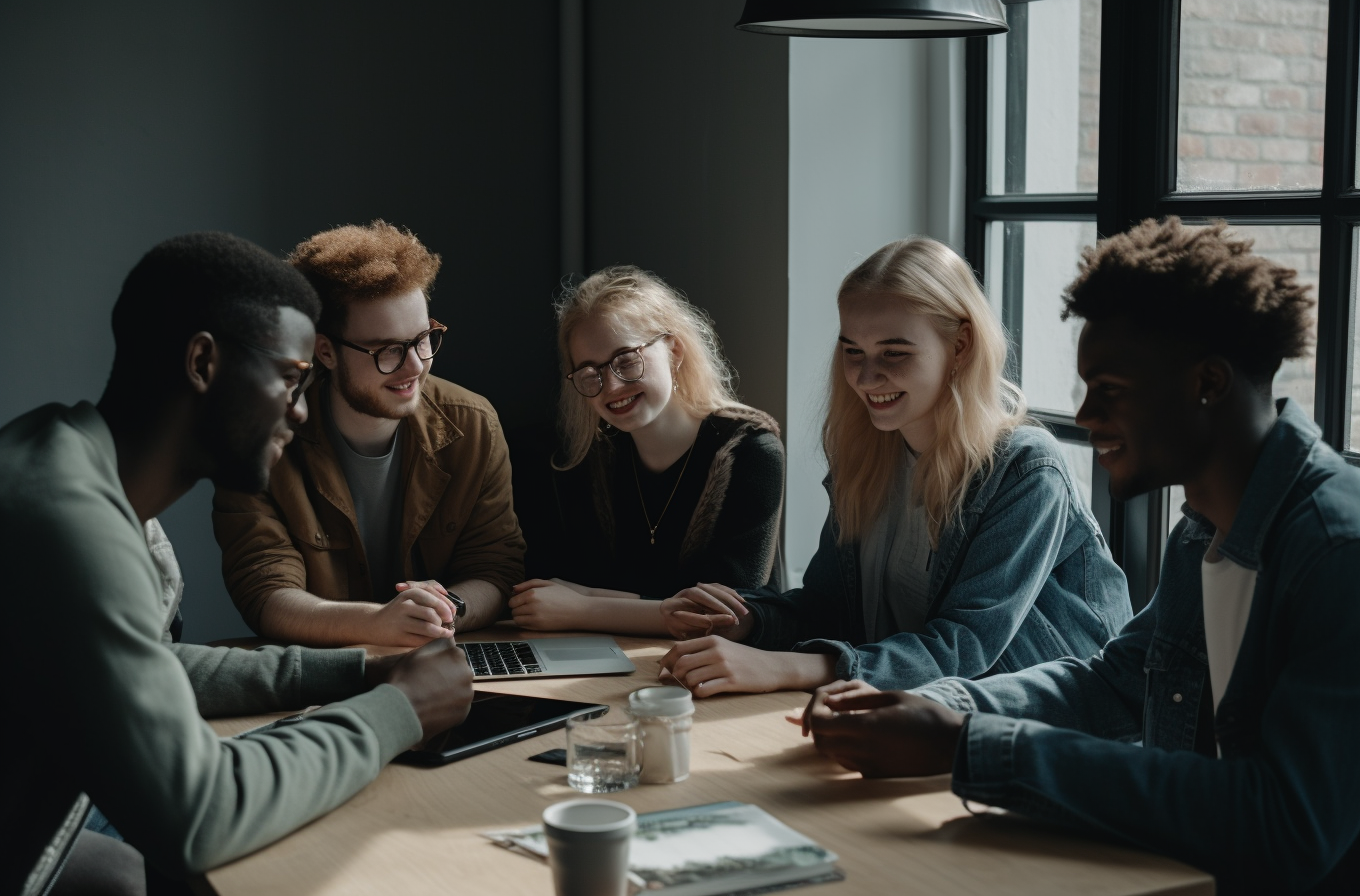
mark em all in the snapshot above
pixel 1021 577
pixel 1281 808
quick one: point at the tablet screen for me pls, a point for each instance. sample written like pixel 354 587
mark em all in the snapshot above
pixel 498 719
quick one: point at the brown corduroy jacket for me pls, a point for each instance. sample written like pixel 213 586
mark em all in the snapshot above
pixel 458 519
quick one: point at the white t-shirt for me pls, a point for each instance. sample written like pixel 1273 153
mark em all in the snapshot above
pixel 1227 604
pixel 172 580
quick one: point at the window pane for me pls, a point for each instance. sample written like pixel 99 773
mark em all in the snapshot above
pixel 1353 430
pixel 1044 99
pixel 1175 497
pixel 1038 260
pixel 1252 89
pixel 1080 459
pixel 1297 246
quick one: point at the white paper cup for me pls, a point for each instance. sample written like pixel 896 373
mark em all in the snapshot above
pixel 588 846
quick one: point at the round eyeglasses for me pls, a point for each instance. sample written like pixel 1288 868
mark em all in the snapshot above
pixel 305 371
pixel 390 357
pixel 627 365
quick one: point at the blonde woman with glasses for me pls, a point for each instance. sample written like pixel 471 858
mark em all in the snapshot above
pixel 956 544
pixel 663 478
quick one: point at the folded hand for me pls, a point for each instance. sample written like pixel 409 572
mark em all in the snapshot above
pixel 705 609
pixel 712 665
pixel 544 605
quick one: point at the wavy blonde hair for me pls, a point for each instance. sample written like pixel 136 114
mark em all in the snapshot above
pixel 629 297
pixel 980 407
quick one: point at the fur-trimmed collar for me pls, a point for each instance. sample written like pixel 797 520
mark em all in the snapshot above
pixel 699 534
pixel 706 512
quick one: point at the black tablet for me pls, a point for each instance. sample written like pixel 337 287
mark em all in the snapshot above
pixel 496 720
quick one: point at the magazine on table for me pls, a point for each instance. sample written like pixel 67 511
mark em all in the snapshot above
pixel 718 849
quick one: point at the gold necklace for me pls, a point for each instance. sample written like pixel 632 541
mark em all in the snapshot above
pixel 651 530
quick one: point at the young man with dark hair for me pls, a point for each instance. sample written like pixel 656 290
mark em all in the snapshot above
pixel 211 334
pixel 1238 678
pixel 389 519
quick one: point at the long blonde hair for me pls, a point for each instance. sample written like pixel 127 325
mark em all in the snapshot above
pixel 627 296
pixel 980 408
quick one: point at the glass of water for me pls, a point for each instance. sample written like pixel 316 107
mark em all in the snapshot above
pixel 602 753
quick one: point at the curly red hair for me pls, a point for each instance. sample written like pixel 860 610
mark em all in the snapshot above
pixel 361 263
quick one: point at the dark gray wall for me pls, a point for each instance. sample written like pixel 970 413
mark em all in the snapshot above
pixel 124 124
pixel 687 168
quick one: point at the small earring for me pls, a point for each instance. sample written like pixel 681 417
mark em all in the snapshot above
pixel 953 373
pixel 1203 400
pixel 675 387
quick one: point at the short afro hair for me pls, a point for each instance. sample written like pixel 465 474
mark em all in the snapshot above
pixel 1198 284
pixel 361 263
pixel 201 282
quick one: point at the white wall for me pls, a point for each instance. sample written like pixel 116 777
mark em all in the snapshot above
pixel 1052 104
pixel 875 154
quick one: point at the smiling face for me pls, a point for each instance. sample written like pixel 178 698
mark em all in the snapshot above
pixel 1142 407
pixel 372 325
pixel 248 415
pixel 628 406
pixel 897 362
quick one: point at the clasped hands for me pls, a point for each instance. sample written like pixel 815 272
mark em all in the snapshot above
pixel 706 622
pixel 420 612
pixel 435 677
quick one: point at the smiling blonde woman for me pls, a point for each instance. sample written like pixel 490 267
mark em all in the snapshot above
pixel 663 479
pixel 956 543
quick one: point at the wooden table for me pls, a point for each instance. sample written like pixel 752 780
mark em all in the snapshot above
pixel 415 830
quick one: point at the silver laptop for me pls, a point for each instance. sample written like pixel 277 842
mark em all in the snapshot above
pixel 493 660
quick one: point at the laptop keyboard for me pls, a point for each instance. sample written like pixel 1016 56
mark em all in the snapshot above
pixel 500 657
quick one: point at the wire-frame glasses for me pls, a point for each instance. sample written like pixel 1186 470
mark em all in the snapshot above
pixel 627 365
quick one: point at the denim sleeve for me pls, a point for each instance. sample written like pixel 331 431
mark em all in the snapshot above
pixel 1017 544
pixel 1274 817
pixel 1102 696
pixel 819 608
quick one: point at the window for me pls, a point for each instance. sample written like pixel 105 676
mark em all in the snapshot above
pixel 1091 115
pixel 1252 90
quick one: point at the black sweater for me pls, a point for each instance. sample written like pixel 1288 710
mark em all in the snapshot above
pixel 722 525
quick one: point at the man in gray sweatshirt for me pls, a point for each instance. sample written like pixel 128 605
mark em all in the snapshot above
pixel 213 338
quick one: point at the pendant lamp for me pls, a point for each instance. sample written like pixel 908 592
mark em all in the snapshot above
pixel 874 18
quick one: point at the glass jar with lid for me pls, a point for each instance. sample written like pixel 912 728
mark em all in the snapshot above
pixel 665 716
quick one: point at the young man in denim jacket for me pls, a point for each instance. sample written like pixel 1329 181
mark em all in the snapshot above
pixel 1220 726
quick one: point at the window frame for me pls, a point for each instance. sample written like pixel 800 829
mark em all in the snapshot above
pixel 1140 45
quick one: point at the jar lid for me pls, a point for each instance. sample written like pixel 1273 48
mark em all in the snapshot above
pixel 660 701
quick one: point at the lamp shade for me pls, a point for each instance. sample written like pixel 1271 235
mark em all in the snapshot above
pixel 874 18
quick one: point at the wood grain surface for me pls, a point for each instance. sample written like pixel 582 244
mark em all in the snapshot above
pixel 415 830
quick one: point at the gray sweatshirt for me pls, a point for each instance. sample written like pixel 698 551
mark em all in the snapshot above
pixel 100 708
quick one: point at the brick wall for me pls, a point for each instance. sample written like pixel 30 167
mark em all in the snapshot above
pixel 1253 77
pixel 1089 96
pixel 1252 94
